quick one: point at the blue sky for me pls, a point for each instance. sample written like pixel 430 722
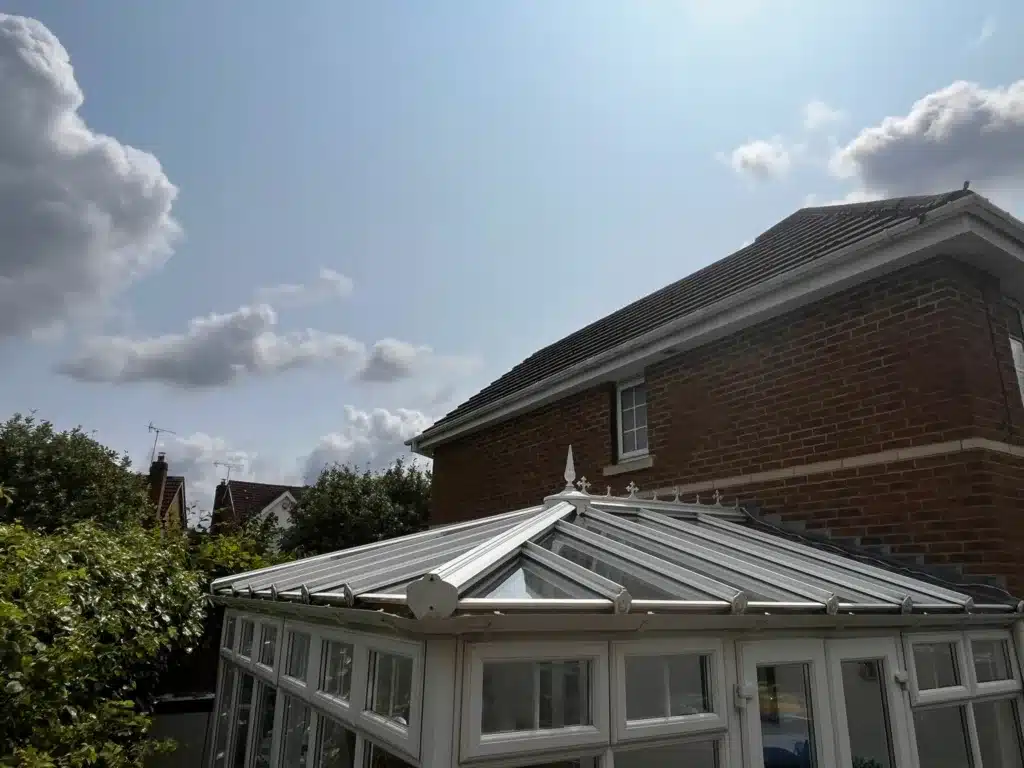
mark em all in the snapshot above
pixel 445 187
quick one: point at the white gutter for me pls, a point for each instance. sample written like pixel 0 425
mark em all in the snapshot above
pixel 643 346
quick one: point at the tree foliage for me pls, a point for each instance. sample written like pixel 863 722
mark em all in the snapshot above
pixel 347 507
pixel 56 478
pixel 88 621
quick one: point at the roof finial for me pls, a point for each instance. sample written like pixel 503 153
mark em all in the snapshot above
pixel 718 497
pixel 608 491
pixel 583 484
pixel 676 498
pixel 632 488
pixel 570 471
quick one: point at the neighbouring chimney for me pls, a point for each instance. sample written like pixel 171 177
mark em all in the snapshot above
pixel 157 481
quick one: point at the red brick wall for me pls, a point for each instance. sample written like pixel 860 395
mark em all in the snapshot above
pixel 917 357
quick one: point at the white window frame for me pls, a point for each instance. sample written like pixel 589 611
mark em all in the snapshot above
pixel 247 664
pixel 951 693
pixel 713 723
pixel 1006 687
pixel 884 649
pixel 475 744
pixel 619 388
pixel 407 739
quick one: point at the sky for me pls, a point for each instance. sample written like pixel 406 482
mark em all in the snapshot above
pixel 299 234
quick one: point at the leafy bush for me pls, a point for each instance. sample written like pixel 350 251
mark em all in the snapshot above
pixel 59 478
pixel 88 620
pixel 348 508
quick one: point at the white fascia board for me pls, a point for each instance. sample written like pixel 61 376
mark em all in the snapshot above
pixel 854 264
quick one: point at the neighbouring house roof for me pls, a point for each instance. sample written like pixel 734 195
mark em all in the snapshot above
pixel 804 237
pixel 578 552
pixel 174 485
pixel 246 499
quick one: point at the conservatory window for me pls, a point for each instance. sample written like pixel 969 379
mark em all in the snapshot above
pixel 248 632
pixel 337 677
pixel 223 724
pixel 390 691
pixel 965 689
pixel 265 726
pixel 268 645
pixel 380 758
pixel 229 633
pixel 531 696
pixel 295 739
pixel 298 655
pixel 337 745
pixel 698 754
pixel 243 716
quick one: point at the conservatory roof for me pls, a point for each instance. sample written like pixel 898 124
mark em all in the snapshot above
pixel 605 554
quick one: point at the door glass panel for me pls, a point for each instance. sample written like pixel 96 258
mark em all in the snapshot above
pixel 227 689
pixel 787 723
pixel 867 718
pixel 998 733
pixel 295 739
pixel 265 723
pixel 242 715
pixel 337 745
pixel 942 737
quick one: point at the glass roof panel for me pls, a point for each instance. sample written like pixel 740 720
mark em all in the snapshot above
pixel 641 583
pixel 527 580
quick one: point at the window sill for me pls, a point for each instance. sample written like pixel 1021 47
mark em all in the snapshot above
pixel 633 464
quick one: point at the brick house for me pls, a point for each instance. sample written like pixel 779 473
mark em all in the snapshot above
pixel 167 495
pixel 238 501
pixel 856 371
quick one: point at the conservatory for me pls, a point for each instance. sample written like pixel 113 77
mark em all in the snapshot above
pixel 597 631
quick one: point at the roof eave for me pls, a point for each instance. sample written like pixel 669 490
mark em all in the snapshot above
pixel 888 246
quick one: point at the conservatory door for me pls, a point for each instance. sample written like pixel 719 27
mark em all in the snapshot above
pixel 870 706
pixel 788 718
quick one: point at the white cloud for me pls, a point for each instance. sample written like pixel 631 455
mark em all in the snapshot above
pixel 818 114
pixel 328 285
pixel 81 214
pixel 959 133
pixel 215 351
pixel 392 360
pixel 367 439
pixel 988 28
pixel 761 159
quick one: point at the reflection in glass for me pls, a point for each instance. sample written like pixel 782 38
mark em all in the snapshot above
pixel 220 749
pixel 673 685
pixel 999 733
pixel 229 632
pixel 242 715
pixel 867 716
pixel 379 758
pixel 337 678
pixel 991 660
pixel 268 648
pixel 529 695
pixel 265 722
pixel 298 655
pixel 700 754
pixel 390 691
pixel 936 665
pixel 942 737
pixel 295 739
pixel 787 722
pixel 245 645
pixel 337 745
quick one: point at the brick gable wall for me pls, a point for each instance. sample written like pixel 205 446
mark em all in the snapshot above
pixel 910 359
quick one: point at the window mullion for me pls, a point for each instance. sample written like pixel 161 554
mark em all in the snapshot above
pixel 972 733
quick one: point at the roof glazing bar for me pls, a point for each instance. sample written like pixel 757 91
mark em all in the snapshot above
pixel 713 561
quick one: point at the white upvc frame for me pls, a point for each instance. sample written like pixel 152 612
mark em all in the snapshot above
pixel 1010 686
pixel 619 389
pixel 714 723
pixel 251 663
pixel 475 744
pixel 777 652
pixel 887 651
pixel 950 693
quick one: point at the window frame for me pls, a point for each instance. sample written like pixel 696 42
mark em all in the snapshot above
pixel 948 694
pixel 620 387
pixel 474 744
pixel 1000 688
pixel 713 724
pixel 252 665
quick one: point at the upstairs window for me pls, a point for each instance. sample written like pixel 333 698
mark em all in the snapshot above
pixel 631 407
pixel 1017 346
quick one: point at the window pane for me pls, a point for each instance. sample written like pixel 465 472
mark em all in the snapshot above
pixel 998 733
pixel 667 686
pixel 526 580
pixel 640 416
pixel 268 648
pixel 787 722
pixel 942 737
pixel 991 660
pixel 295 739
pixel 529 695
pixel 701 754
pixel 936 665
pixel 627 420
pixel 619 571
pixel 390 686
pixel 378 758
pixel 867 717
pixel 641 439
pixel 229 632
pixel 243 713
pixel 298 655
pixel 245 646
pixel 265 726
pixel 337 745
pixel 220 749
pixel 337 680
pixel 628 442
pixel 626 396
pixel 640 394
